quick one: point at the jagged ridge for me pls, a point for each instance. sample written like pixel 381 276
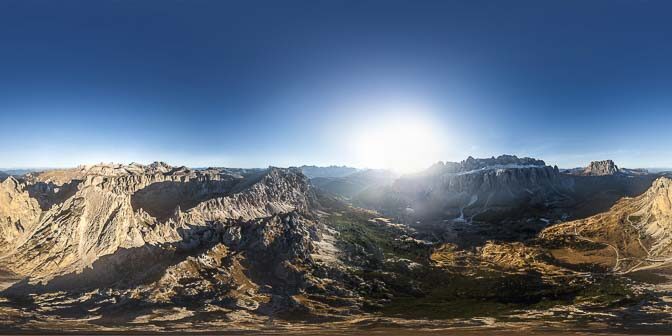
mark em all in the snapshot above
pixel 101 216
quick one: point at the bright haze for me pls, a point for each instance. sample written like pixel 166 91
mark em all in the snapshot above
pixel 380 84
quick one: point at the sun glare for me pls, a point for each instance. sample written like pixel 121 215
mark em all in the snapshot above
pixel 406 145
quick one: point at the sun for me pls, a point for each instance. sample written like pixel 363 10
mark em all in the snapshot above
pixel 404 145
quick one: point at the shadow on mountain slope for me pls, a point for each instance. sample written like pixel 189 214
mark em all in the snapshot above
pixel 256 265
pixel 49 193
pixel 596 194
pixel 161 199
pixel 125 268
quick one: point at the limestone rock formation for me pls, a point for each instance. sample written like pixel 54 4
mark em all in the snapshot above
pixel 636 233
pixel 116 206
pixel 605 168
pixel 501 161
pixel 162 248
pixel 19 213
pixel 466 189
pixel 248 241
pixel 601 168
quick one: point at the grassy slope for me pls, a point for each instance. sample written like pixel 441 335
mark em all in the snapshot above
pixel 438 293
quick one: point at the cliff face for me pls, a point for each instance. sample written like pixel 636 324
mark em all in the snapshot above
pixel 155 247
pixel 605 168
pixel 277 191
pixel 601 168
pixel 117 207
pixel 237 241
pixel 18 212
pixel 472 187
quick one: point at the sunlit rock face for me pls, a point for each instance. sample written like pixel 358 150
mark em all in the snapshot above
pixel 235 240
pixel 114 206
pixel 120 247
pixel 19 213
pixel 636 232
pixel 605 168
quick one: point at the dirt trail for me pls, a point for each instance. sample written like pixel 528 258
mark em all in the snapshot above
pixel 618 255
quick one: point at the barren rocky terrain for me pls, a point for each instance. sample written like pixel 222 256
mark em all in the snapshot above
pixel 484 244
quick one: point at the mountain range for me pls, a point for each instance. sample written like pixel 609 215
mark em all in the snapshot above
pixel 482 243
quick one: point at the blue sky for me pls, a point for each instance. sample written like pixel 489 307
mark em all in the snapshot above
pixel 258 83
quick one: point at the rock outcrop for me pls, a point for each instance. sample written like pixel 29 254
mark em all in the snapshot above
pixel 246 241
pixel 19 212
pixel 117 207
pixel 601 168
pixel 471 187
pixel 503 161
pixel 605 168
pixel 161 248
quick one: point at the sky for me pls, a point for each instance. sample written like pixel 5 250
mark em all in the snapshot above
pixel 379 84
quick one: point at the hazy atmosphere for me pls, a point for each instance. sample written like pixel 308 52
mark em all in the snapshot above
pixel 255 83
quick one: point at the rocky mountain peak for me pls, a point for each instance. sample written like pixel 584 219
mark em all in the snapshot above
pixel 472 164
pixel 503 160
pixel 243 243
pixel 160 166
pixel 601 168
pixel 115 169
pixel 660 194
pixel 661 183
pixel 112 206
pixel 18 211
pixel 10 183
pixel 470 188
